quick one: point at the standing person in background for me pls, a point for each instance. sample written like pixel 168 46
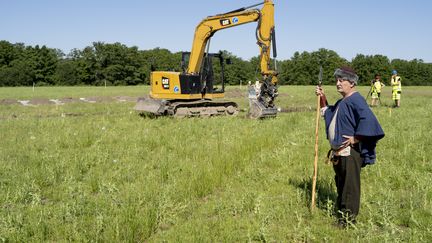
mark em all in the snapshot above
pixel 395 82
pixel 376 90
pixel 353 132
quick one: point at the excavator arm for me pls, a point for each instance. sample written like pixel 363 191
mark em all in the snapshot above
pixel 210 25
pixel 262 103
pixel 206 29
pixel 265 35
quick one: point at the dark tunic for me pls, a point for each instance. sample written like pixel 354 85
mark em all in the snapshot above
pixel 355 118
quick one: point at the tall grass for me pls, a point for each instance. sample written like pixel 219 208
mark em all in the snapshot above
pixel 100 172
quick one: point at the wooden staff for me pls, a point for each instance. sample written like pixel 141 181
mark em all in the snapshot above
pixel 314 178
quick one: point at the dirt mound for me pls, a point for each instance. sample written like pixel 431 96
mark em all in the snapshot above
pixel 98 99
pixel 67 100
pixel 126 99
pixel 8 102
pixel 40 101
pixel 296 109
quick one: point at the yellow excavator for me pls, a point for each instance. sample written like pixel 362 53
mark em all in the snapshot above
pixel 193 91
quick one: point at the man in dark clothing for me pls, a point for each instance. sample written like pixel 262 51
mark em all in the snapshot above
pixel 353 131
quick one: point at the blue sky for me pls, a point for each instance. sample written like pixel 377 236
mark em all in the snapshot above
pixel 396 29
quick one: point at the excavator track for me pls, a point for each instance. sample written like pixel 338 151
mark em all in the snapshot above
pixel 202 108
pixel 180 109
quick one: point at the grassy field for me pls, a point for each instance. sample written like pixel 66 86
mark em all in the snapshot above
pixel 99 172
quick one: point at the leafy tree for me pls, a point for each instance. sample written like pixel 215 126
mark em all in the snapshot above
pixel 304 68
pixel 367 66
pixel 158 59
pixel 329 60
pixel 10 52
pixel 27 65
pixel 67 73
pixel 239 71
pixel 85 63
pixel 44 62
pixel 117 64
pixel 19 73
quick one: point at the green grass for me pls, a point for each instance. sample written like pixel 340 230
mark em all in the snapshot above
pixel 74 91
pixel 100 172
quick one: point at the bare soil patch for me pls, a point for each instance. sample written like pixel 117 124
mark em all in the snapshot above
pixel 40 101
pixel 8 102
pixel 67 100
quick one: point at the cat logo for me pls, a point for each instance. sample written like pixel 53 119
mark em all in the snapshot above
pixel 165 83
pixel 225 22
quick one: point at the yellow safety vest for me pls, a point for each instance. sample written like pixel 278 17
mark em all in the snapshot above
pixel 377 86
pixel 396 83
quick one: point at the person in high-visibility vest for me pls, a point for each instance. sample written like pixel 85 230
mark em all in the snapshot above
pixel 395 82
pixel 376 90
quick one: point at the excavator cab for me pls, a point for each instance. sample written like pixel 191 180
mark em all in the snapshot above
pixel 212 75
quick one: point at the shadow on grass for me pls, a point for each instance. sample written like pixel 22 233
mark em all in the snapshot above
pixel 325 191
pixel 148 115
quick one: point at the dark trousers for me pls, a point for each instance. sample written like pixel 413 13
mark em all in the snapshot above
pixel 348 185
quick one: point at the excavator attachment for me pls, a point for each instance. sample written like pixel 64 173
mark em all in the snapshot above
pixel 258 111
pixel 260 106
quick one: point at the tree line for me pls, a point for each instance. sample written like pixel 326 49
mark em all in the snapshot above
pixel 117 64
